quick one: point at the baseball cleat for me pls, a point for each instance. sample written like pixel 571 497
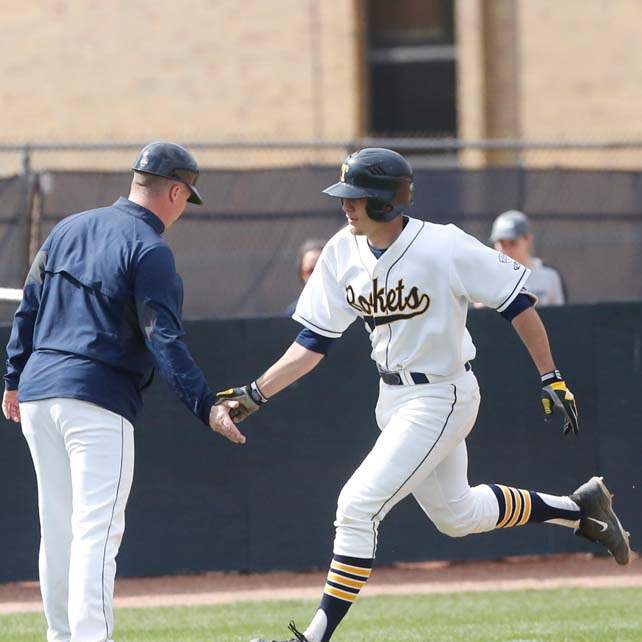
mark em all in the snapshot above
pixel 598 522
pixel 298 636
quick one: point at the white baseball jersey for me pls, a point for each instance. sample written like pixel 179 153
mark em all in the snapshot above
pixel 413 299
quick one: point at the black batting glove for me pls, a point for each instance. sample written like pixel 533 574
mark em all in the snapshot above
pixel 250 399
pixel 557 397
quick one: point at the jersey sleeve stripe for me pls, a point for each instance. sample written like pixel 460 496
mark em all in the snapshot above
pixel 515 291
pixel 332 334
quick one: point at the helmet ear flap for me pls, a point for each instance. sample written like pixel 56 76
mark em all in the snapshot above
pixel 385 209
pixel 377 209
pixel 382 210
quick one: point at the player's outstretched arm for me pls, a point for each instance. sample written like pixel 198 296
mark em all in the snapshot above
pixel 296 362
pixel 532 332
pixel 555 393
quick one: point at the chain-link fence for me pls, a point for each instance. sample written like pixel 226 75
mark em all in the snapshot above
pixel 446 152
pixel 237 254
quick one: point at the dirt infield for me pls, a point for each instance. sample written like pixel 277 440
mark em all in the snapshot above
pixel 416 578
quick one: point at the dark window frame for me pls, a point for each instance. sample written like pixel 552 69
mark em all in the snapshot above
pixel 399 80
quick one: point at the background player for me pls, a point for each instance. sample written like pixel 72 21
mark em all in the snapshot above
pixel 411 282
pixel 307 258
pixel 102 305
pixel 512 235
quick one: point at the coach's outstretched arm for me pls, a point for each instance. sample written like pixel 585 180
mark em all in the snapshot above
pixel 555 394
pixel 296 362
pixel 158 292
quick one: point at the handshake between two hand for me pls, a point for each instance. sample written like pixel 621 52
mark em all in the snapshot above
pixel 232 407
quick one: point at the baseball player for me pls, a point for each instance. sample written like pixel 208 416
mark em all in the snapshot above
pixel 410 283
pixel 511 234
pixel 102 306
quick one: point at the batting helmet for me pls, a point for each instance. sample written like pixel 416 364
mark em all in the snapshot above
pixel 380 175
pixel 170 161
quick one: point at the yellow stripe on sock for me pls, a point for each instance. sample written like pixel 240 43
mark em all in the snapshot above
pixel 355 570
pixel 341 595
pixel 508 511
pixel 346 581
pixel 527 507
pixel 518 508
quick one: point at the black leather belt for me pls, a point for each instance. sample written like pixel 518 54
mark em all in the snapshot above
pixel 394 378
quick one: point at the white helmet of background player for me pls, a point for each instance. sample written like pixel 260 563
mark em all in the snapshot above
pixel 510 226
pixel 382 176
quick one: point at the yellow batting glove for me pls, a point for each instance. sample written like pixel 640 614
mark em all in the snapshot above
pixel 250 399
pixel 556 396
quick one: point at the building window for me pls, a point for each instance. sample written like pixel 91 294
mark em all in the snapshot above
pixel 411 67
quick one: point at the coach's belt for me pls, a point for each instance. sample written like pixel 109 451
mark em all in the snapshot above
pixel 394 378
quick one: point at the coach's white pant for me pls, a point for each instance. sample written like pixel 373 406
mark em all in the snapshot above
pixel 84 461
pixel 421 450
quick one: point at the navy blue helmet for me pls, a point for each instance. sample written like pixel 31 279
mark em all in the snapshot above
pixel 382 176
pixel 170 161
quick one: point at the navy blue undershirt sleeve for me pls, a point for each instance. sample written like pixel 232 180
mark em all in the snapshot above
pixel 520 303
pixel 159 297
pixel 314 342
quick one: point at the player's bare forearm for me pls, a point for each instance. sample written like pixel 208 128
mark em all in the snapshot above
pixel 532 332
pixel 296 362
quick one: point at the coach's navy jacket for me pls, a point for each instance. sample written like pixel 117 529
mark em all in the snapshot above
pixel 101 298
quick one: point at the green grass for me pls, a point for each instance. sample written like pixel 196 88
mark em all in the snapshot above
pixel 565 615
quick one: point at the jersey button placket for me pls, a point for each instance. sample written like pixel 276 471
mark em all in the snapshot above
pixel 378 275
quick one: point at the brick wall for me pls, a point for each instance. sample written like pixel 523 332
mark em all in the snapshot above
pixel 581 73
pixel 293 69
pixel 118 70
pixel 550 70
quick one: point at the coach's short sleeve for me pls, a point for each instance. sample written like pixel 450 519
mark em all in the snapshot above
pixel 484 275
pixel 322 306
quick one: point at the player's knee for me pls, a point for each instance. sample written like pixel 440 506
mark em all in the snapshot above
pixel 473 512
pixel 350 509
pixel 454 528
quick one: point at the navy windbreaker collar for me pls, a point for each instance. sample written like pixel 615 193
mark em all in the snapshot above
pixel 141 212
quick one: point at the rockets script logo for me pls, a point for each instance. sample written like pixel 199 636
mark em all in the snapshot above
pixel 381 307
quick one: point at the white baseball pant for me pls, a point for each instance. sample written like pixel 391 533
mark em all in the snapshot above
pixel 421 451
pixel 84 461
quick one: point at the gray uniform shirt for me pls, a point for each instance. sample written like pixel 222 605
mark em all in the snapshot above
pixel 546 283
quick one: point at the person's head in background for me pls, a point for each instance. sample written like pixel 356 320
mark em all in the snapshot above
pixel 308 256
pixel 511 234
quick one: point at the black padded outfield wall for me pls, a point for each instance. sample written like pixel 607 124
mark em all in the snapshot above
pixel 200 503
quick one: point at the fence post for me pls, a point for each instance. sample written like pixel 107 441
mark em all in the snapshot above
pixel 26 160
pixel 35 218
pixel 25 223
pixel 521 187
